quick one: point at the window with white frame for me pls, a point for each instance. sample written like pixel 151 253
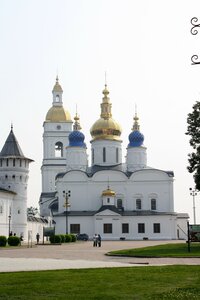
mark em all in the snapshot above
pixel 58 149
pixel 141 228
pixel 119 203
pixel 156 228
pixel 138 204
pixel 125 228
pixel 153 204
pixel 107 228
pixel 75 228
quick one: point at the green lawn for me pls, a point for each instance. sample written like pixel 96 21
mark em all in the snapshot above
pixel 166 282
pixel 167 250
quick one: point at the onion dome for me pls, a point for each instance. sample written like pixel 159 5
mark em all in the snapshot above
pixel 136 138
pixel 76 138
pixel 106 127
pixel 108 192
pixel 57 113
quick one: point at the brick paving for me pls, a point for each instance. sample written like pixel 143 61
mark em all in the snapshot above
pixel 81 255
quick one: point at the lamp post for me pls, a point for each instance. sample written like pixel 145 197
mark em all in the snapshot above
pixel 193 193
pixel 9 218
pixel 194 31
pixel 66 196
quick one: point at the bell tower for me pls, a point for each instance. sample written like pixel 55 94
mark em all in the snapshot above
pixel 57 127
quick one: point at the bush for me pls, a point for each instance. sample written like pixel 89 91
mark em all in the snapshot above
pixel 68 238
pixel 13 241
pixel 62 238
pixel 3 241
pixel 55 239
pixel 73 236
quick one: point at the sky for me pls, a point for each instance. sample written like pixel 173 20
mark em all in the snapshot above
pixel 145 48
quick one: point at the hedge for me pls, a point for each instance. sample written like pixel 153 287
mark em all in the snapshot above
pixel 3 241
pixel 55 239
pixel 73 236
pixel 13 241
pixel 68 238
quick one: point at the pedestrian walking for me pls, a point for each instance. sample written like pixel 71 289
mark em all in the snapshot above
pixel 99 240
pixel 37 238
pixel 95 238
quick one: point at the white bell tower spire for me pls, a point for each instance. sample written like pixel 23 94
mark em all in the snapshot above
pixel 57 127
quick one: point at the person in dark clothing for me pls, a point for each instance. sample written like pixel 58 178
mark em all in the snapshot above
pixel 99 240
pixel 37 238
pixel 95 240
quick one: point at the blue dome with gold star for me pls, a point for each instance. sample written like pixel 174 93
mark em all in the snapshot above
pixel 76 139
pixel 136 139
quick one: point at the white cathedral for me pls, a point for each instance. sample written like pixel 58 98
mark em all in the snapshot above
pixel 116 199
pixel 113 198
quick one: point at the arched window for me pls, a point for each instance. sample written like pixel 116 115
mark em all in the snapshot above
pixel 57 98
pixel 13 162
pixel 104 154
pixel 7 162
pixel 58 149
pixel 153 204
pixel 1 208
pixel 138 204
pixel 119 203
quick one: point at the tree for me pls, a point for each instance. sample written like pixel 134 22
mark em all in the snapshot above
pixel 193 130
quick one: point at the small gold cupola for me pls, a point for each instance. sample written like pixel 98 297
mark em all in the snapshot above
pixel 57 87
pixel 106 127
pixel 108 192
pixel 136 125
pixel 108 196
pixel 77 125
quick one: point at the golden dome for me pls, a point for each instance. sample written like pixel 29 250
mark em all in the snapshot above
pixel 106 127
pixel 57 114
pixel 108 192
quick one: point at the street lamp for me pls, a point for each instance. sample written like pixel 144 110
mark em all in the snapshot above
pixel 66 196
pixel 194 31
pixel 193 193
pixel 9 217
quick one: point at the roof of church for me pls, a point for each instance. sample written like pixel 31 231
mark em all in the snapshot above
pixel 11 147
pixel 110 207
pixel 120 167
pixel 115 210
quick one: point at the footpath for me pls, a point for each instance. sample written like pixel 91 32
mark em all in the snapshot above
pixel 81 255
